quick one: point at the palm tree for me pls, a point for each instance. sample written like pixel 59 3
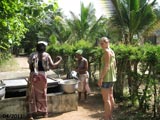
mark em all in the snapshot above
pixel 86 26
pixel 156 26
pixel 133 17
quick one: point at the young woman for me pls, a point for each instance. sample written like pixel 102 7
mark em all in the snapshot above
pixel 107 77
pixel 39 62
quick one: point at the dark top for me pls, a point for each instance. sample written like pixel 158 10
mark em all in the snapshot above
pixel 40 67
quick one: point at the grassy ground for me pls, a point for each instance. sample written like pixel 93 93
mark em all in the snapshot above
pixel 9 65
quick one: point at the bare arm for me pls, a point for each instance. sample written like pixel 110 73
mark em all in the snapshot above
pixel 52 64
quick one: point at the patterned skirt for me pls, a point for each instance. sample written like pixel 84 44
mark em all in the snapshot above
pixel 37 93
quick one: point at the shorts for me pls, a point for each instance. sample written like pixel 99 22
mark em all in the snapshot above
pixel 107 84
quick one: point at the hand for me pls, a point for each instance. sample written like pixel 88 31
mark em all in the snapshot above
pixel 59 58
pixel 99 83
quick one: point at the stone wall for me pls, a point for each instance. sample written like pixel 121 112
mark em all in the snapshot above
pixel 15 108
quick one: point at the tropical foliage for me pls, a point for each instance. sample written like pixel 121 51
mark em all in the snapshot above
pixel 86 26
pixel 11 23
pixel 133 17
pixel 40 18
pixel 156 25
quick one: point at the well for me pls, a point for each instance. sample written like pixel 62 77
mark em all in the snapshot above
pixel 14 105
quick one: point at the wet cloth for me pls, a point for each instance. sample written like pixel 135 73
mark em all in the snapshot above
pixel 83 83
pixel 37 93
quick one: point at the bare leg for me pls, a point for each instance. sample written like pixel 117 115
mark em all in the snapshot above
pixel 107 103
pixel 111 100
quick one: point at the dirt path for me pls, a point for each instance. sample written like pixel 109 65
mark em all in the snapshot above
pixel 22 63
pixel 90 110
